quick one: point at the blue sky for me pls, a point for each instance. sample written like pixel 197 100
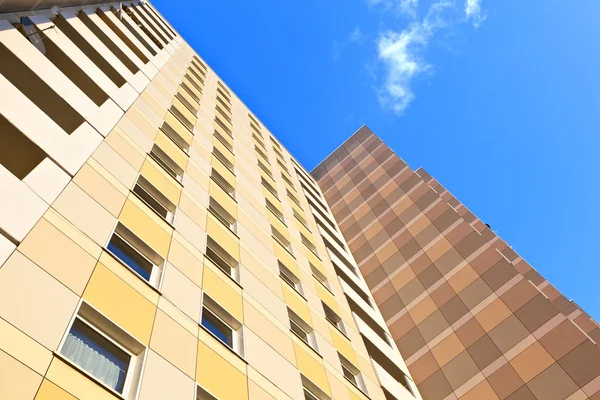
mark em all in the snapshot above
pixel 499 100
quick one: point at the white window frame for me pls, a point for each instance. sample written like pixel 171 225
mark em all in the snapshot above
pixel 147 253
pixel 237 337
pixel 319 277
pixel 290 278
pixel 234 271
pixel 358 380
pixel 311 339
pixel 137 351
pixel 148 189
pixel 222 182
pixel 282 240
pixel 337 321
pixel 219 212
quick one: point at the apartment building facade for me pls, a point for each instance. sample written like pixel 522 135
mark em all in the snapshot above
pixel 472 318
pixel 156 240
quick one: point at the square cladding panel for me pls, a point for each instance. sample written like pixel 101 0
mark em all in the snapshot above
pixel 472 319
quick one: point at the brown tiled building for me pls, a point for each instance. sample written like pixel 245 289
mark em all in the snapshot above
pixel 472 319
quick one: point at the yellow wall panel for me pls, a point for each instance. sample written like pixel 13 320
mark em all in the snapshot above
pixel 298 209
pixel 223 133
pixel 171 149
pixel 285 257
pixel 355 394
pixel 121 303
pixel 184 110
pixel 224 199
pixel 314 260
pixel 274 200
pixel 328 298
pixel 218 376
pixel 49 391
pixel 146 227
pixel 303 230
pixel 178 127
pixel 161 180
pixel 68 378
pixel 343 345
pixel 311 367
pixel 223 120
pixel 223 171
pixel 226 294
pixel 197 81
pixel 223 236
pixel 226 153
pixel 280 226
pixel 296 303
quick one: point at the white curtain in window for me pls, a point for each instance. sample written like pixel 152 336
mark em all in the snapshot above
pixel 91 361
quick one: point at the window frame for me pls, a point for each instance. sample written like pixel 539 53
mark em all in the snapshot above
pixel 290 278
pixel 166 162
pixel 224 317
pixel 147 189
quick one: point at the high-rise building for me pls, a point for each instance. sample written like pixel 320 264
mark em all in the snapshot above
pixel 472 318
pixel 156 240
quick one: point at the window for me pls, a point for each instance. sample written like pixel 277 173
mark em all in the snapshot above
pixel 308 243
pixel 190 91
pixel 186 103
pixel 275 144
pixel 218 256
pixel 223 103
pixel 222 182
pixel 223 141
pixel 224 160
pixel 308 395
pixel 166 163
pixel 175 137
pixel 319 277
pixel 225 95
pixel 258 140
pixel 333 318
pixel 293 197
pixel 179 115
pixel 154 199
pixel 202 394
pixel 222 87
pixel 103 351
pixel 217 327
pixel 265 169
pixel 223 113
pixel 352 373
pixel 312 391
pixel 288 277
pixel 221 214
pixel 302 330
pixel 269 187
pixel 136 255
pixel 300 218
pixel 278 236
pixel 222 125
pixel 193 82
pixel 261 153
pixel 282 166
pixel 271 207
pixel 222 325
pixel 286 179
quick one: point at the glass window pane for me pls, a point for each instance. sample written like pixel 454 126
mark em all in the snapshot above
pixel 96 355
pixel 298 331
pixel 217 327
pixel 129 256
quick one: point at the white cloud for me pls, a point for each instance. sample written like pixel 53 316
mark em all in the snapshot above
pixel 474 13
pixel 402 55
pixel 356 36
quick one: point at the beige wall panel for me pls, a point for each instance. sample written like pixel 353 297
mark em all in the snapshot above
pixel 156 373
pixel 115 164
pixel 143 123
pixel 58 255
pixel 23 348
pixel 343 345
pixel 131 144
pixel 265 271
pixel 149 227
pixel 45 305
pixel 338 389
pixel 6 249
pixel 257 246
pixel 17 382
pixel 187 228
pixel 193 209
pixel 73 233
pixel 85 213
pixel 259 292
pixel 75 382
pixel 94 184
pixel 296 304
pixel 199 172
pixel 186 259
pixel 175 344
pixel 197 192
pixel 122 304
pixel 176 314
pixel 260 324
pixel 182 292
pixel 272 365
pixel 49 391
pixel 329 353
pixel 145 109
pixel 255 392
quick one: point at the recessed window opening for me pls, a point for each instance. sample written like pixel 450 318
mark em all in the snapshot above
pixel 269 187
pixel 288 277
pixel 333 318
pixel 219 256
pixel 166 162
pixel 222 158
pixel 175 137
pixel 222 182
pixel 154 199
pixel 283 241
pixel 222 325
pixel 223 126
pixel 271 207
pixel 302 330
pixel 221 214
